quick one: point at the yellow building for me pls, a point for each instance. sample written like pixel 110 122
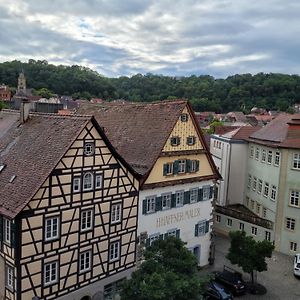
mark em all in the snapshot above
pixel 68 209
pixel 164 144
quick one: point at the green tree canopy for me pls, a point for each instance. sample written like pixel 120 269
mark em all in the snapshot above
pixel 247 253
pixel 168 272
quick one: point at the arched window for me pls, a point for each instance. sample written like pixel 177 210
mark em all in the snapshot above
pixel 87 181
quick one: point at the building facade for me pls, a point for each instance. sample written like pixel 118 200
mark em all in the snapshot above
pixel 69 230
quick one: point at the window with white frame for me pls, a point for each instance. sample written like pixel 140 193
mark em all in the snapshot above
pixel 193 195
pixel 254 183
pixel 294 198
pixel 172 232
pixel 166 201
pixel 273 192
pixel 86 220
pixel 293 246
pixel 153 238
pixel 258 208
pixel 257 153
pixel 218 218
pixel 290 224
pixel 206 192
pixel 247 201
pixel 264 212
pixel 277 159
pixel 179 196
pixel 7 230
pixel 270 157
pixel 252 204
pixel 98 181
pixel 263 156
pixel 175 140
pixel 87 181
pixel 150 204
pixel 85 259
pixel 191 140
pixel 253 230
pixel 50 273
pixel 296 161
pixel 114 251
pixel 51 228
pixel 76 184
pixel 229 222
pixel 184 117
pixel 201 228
pixel 249 180
pixel 181 166
pixel 266 189
pixel 89 149
pixel 260 184
pixel 251 151
pixel 268 235
pixel 9 277
pixel 242 226
pixel 116 210
pixel 193 166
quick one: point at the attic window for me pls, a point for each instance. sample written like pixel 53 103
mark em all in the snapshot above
pixel 2 168
pixel 191 140
pixel 184 117
pixel 89 149
pixel 175 140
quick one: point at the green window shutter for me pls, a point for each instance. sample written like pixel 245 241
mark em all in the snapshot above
pixel 206 226
pixel 188 164
pixel 173 200
pixel 165 236
pixel 1 229
pixel 200 195
pixel 186 199
pixel 144 207
pixel 13 234
pixel 165 169
pixel 158 204
pixel 197 165
pixel 147 243
pixel 161 236
pixel 178 233
pixel 175 167
pixel 211 192
pixel 196 230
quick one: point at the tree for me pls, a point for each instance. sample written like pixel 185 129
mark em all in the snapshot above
pixel 249 254
pixel 44 92
pixel 168 272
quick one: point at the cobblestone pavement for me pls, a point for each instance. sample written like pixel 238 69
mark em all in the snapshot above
pixel 278 279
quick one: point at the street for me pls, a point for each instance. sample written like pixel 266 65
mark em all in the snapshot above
pixel 278 279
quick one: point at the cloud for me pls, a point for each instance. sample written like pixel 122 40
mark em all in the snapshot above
pixel 117 37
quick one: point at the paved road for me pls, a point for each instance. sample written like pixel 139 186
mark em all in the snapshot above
pixel 279 279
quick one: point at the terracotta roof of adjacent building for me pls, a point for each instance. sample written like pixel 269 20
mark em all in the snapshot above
pixel 242 132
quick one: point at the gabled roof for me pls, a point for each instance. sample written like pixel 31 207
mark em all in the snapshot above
pixel 139 131
pixel 30 151
pixel 283 131
pixel 241 133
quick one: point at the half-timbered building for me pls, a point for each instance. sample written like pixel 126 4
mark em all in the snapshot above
pixel 165 146
pixel 68 209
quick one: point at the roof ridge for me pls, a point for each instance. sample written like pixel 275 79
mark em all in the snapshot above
pixel 58 116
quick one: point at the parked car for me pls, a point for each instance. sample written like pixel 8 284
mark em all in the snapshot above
pixel 215 290
pixel 232 280
pixel 297 265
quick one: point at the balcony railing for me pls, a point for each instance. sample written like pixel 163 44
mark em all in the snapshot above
pixel 234 213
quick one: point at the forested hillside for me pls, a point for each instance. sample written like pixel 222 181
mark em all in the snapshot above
pixel 238 92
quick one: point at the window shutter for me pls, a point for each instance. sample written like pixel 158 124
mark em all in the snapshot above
pixel 175 167
pixel 166 236
pixel 211 192
pixel 196 230
pixel 188 164
pixel 144 206
pixel 173 200
pixel 206 226
pixel 1 229
pixel 186 199
pixel 161 236
pixel 165 169
pixel 178 233
pixel 13 234
pixel 200 195
pixel 197 165
pixel 158 204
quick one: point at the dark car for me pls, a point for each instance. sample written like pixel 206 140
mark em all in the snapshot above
pixel 232 280
pixel 215 290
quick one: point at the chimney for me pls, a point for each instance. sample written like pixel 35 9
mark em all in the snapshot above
pixel 24 110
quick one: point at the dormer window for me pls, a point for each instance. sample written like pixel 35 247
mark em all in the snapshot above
pixel 89 149
pixel 184 117
pixel 175 140
pixel 191 140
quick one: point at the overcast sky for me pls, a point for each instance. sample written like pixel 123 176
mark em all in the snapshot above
pixel 169 37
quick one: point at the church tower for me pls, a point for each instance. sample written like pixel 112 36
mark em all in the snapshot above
pixel 21 84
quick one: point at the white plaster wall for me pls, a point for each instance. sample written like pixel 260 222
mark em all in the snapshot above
pixel 193 213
